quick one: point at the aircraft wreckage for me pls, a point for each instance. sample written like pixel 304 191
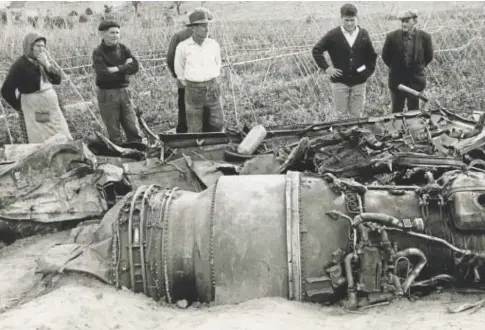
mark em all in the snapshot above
pixel 361 210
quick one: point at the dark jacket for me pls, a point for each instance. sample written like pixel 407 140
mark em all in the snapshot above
pixel 25 74
pixel 105 56
pixel 176 39
pixel 346 58
pixel 393 55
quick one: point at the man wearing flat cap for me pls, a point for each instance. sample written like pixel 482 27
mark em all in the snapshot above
pixel 174 42
pixel 198 67
pixel 407 52
pixel 113 63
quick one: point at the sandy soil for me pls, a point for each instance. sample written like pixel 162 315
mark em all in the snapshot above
pixel 79 302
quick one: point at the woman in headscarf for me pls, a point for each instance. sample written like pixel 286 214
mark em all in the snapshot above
pixel 33 76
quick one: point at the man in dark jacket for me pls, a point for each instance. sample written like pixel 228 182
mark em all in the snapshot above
pixel 113 63
pixel 354 61
pixel 407 52
pixel 176 39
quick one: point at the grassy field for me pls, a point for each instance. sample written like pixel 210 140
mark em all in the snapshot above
pixel 269 76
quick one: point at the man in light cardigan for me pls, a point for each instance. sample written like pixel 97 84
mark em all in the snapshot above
pixel 198 67
pixel 353 62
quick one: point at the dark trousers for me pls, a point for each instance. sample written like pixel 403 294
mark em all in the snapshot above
pixel 182 117
pixel 116 109
pixel 398 98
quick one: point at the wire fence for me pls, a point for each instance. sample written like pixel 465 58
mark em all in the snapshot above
pixel 269 75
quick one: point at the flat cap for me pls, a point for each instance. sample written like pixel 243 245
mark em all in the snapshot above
pixel 408 14
pixel 105 25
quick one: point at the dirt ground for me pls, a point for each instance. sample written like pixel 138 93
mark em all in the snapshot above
pixel 79 302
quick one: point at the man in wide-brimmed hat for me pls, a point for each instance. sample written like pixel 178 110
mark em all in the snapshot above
pixel 174 42
pixel 198 67
pixel 407 51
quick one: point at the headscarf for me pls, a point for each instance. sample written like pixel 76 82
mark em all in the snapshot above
pixel 29 41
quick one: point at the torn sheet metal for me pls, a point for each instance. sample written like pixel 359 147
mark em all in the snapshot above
pixel 392 149
pixel 14 152
pixel 121 151
pixel 352 147
pixel 56 182
pixel 209 172
pixel 261 164
pixel 169 174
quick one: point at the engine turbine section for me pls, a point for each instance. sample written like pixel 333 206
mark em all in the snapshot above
pixel 320 239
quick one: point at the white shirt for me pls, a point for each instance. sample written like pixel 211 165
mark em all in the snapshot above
pixel 350 36
pixel 196 62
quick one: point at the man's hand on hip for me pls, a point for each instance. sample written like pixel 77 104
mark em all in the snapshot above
pixel 113 69
pixel 334 73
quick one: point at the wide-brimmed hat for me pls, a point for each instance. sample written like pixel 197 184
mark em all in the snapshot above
pixel 408 14
pixel 199 16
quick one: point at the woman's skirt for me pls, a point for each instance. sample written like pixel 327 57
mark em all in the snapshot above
pixel 43 116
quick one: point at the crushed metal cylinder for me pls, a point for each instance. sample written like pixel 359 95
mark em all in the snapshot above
pixel 363 210
pixel 289 236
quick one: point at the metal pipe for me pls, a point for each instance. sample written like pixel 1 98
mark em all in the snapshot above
pixel 416 270
pixel 397 284
pixel 387 220
pixel 441 241
pixel 351 290
pixel 387 188
pixel 364 234
pixel 383 219
pixel 384 237
pixel 433 280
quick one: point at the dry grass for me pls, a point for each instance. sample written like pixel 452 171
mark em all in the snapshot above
pixel 280 90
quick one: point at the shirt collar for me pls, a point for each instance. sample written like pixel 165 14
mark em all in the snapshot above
pixel 410 33
pixel 192 41
pixel 349 34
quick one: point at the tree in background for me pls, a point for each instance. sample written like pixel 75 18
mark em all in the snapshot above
pixel 177 5
pixel 135 5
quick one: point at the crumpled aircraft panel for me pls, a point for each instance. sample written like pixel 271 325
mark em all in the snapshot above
pixel 56 182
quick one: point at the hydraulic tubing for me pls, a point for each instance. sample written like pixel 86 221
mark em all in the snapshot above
pixel 415 272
